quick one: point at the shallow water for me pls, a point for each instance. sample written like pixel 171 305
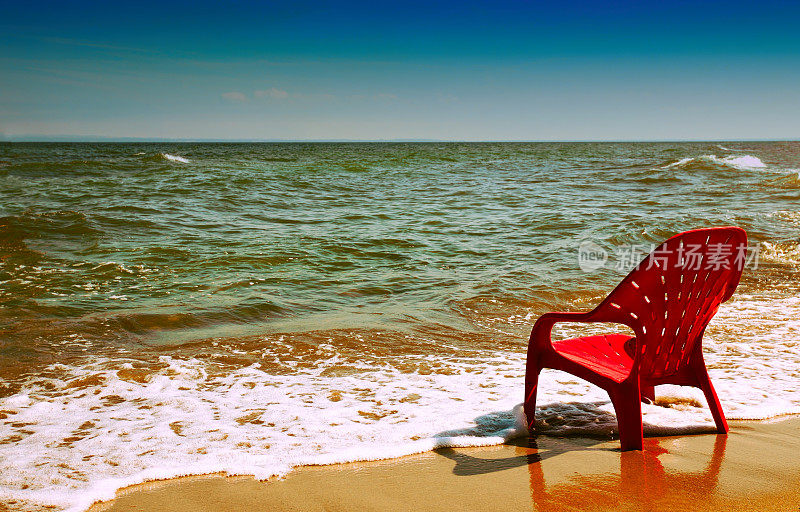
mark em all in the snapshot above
pixel 187 308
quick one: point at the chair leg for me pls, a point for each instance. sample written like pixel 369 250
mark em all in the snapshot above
pixel 531 387
pixel 628 406
pixel 713 402
pixel 648 393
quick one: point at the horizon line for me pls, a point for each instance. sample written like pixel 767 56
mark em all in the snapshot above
pixel 100 139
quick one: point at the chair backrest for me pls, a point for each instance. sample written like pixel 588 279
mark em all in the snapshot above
pixel 670 297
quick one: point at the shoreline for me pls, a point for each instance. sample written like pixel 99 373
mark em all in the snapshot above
pixel 754 467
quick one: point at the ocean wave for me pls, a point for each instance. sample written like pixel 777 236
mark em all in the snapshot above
pixel 710 162
pixel 175 158
pixel 278 159
pixel 57 223
pixel 790 216
pixel 723 148
pixel 129 324
pixel 788 181
pixel 58 167
pixel 160 157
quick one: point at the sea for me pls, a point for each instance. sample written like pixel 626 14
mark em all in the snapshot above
pixel 173 309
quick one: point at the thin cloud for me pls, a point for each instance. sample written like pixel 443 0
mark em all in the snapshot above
pixel 383 96
pixel 234 96
pixel 273 92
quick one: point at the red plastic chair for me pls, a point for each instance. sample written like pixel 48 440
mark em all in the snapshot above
pixel 668 300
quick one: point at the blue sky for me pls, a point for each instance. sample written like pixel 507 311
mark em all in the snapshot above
pixel 411 70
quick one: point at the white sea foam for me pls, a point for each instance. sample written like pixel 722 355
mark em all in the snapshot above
pixel 679 163
pixel 69 441
pixel 744 162
pixel 738 162
pixel 175 158
pixel 791 216
pixel 787 253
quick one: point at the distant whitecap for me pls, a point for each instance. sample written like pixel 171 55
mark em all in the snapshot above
pixel 175 158
pixel 737 162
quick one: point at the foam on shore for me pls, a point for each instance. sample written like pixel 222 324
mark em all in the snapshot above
pixel 81 432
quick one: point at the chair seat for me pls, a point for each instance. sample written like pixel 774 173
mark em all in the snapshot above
pixel 604 354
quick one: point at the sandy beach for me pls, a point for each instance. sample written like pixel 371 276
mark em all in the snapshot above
pixel 755 467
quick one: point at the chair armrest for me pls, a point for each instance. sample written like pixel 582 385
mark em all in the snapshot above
pixel 540 334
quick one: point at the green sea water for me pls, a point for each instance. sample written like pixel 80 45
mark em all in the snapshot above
pixel 158 243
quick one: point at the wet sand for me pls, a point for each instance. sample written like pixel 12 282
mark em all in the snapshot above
pixel 755 467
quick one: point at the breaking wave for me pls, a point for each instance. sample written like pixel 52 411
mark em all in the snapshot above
pixel 173 158
pixel 711 162
pixel 788 181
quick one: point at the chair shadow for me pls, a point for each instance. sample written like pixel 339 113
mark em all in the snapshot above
pixel 468 465
pixel 641 479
